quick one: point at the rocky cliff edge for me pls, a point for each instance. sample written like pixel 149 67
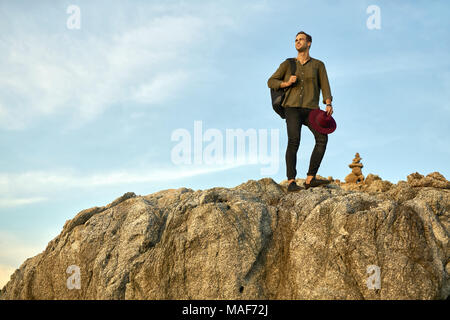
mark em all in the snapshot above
pixel 374 240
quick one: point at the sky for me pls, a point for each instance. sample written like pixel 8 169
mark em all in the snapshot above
pixel 100 98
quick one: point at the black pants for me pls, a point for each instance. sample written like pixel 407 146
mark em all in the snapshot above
pixel 295 117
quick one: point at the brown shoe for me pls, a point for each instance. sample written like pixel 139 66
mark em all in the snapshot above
pixel 315 183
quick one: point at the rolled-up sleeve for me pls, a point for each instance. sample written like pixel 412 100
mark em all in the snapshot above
pixel 276 79
pixel 324 84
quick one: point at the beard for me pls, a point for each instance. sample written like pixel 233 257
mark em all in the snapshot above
pixel 302 49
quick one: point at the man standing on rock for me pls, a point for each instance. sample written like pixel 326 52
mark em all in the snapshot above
pixel 300 99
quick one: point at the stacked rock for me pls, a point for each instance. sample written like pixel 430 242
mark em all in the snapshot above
pixel 356 175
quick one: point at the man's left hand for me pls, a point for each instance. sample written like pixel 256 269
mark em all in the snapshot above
pixel 329 110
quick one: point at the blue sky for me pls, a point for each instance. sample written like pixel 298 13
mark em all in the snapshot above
pixel 88 114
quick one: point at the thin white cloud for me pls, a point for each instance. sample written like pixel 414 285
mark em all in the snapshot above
pixel 156 90
pixel 30 187
pixel 394 63
pixel 45 75
pixel 14 202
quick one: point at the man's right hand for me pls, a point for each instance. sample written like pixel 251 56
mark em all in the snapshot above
pixel 291 81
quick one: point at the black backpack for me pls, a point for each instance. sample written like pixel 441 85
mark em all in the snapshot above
pixel 278 95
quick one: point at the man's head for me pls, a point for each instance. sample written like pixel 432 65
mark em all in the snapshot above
pixel 303 41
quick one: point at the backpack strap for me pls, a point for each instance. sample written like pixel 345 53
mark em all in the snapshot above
pixel 293 65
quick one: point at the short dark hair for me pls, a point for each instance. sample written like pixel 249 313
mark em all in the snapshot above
pixel 308 37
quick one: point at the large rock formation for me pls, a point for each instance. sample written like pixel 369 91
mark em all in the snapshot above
pixel 253 241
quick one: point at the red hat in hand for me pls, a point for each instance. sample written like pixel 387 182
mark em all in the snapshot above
pixel 321 122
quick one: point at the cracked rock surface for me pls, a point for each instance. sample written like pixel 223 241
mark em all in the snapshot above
pixel 253 241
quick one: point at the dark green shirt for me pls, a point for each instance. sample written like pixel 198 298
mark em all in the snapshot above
pixel 311 78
